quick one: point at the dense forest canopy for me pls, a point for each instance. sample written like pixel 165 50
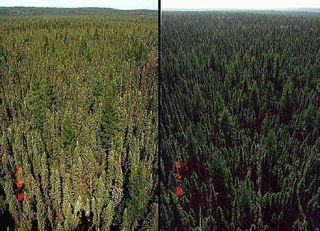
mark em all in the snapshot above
pixel 78 122
pixel 93 11
pixel 240 97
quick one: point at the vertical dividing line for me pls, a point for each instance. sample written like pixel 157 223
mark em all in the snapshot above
pixel 159 112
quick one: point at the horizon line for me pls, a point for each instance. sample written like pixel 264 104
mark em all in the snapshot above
pixel 80 7
pixel 229 8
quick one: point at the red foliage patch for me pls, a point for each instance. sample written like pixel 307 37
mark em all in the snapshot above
pixel 20 197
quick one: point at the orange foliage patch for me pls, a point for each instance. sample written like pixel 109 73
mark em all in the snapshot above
pixel 18 170
pixel 19 183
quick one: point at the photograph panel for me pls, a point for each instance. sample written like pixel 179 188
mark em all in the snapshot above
pixel 239 120
pixel 79 116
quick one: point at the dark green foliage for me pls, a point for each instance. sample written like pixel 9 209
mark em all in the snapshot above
pixel 96 93
pixel 240 111
pixel 227 125
pixel 67 130
pixel 108 121
pixel 245 199
pixel 286 102
pixel 36 104
pixel 218 168
pixel 41 97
